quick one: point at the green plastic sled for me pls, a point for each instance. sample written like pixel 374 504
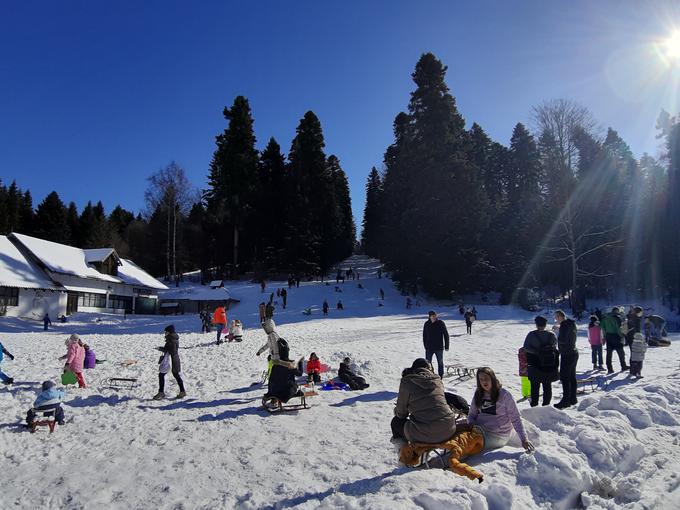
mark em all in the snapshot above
pixel 68 378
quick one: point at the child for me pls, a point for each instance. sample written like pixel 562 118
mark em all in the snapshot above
pixel 524 372
pixel 637 355
pixel 90 357
pixel 3 377
pixel 75 359
pixel 169 358
pixel 313 368
pixel 596 340
pixel 49 399
pixel 236 331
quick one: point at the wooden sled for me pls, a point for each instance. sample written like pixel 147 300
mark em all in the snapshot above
pixel 658 342
pixel 119 383
pixel 48 420
pixel 460 371
pixel 593 383
pixel 274 405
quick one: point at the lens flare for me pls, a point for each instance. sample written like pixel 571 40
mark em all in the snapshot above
pixel 672 46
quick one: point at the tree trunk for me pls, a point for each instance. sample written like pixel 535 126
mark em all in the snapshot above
pixel 233 268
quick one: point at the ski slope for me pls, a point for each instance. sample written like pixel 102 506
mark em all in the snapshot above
pixel 218 449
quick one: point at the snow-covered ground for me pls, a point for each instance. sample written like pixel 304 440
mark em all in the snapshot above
pixel 217 448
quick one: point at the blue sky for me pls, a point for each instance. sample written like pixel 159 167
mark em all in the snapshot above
pixel 95 96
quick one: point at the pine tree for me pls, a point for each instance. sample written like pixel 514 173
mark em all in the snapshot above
pixel 72 223
pixel 233 172
pixel 671 230
pixel 26 214
pixel 50 219
pixel 370 234
pixel 13 207
pixel 4 226
pixel 345 230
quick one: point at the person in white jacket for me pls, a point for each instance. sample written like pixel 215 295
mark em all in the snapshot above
pixel 272 340
pixel 637 355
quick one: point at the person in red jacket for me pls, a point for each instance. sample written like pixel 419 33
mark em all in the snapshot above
pixel 313 368
pixel 220 321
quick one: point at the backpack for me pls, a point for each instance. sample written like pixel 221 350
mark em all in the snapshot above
pixel 284 350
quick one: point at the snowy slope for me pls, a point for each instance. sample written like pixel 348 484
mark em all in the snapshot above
pixel 217 449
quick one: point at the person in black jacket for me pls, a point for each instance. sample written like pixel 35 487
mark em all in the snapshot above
pixel 542 361
pixel 171 348
pixel 282 379
pixel 566 345
pixel 435 340
pixel 346 375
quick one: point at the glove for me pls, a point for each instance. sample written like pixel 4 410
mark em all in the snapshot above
pixel 11 356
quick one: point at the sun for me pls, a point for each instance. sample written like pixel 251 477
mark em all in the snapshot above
pixel 672 46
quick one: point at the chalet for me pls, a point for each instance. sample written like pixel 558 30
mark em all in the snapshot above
pixel 96 280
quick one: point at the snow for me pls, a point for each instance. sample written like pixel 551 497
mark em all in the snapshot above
pixel 18 271
pixel 197 293
pixel 218 449
pixel 97 254
pixel 132 274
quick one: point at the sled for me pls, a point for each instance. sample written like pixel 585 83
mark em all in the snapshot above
pixel 127 363
pixel 119 383
pixel 460 371
pixel 48 420
pixel 594 383
pixel 274 405
pixel 68 377
pixel 659 342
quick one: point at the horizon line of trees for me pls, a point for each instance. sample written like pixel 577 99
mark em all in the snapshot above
pixel 562 208
pixel 262 212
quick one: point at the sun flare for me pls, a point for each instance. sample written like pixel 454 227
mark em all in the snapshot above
pixel 672 45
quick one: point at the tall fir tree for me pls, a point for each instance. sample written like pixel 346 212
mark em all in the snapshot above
pixel 72 223
pixel 370 233
pixel 50 219
pixel 233 172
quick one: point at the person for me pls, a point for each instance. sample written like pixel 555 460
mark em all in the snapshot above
pixel 494 410
pixel 422 414
pixel 633 324
pixel 325 307
pixel 269 311
pixel 205 321
pixel 236 331
pixel 461 309
pixel 435 340
pixel 297 281
pixel 220 321
pixel 358 275
pixel 566 345
pixel 313 368
pixel 63 319
pixel 263 286
pixel 272 341
pixel 382 294
pixel 75 358
pixel 339 306
pixel 379 273
pixel 49 399
pixel 655 327
pixel 90 358
pixel 540 346
pixel 46 322
pixel 595 339
pixel 278 292
pixel 3 376
pixel 282 379
pixel 524 372
pixel 468 321
pixel 284 297
pixel 347 376
pixel 474 312
pixel 169 358
pixel 611 325
pixel 637 355
pixel 262 309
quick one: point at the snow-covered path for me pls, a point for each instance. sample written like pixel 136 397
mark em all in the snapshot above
pixel 218 449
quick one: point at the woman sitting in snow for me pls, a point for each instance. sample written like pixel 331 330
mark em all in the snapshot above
pixel 313 368
pixel 282 378
pixel 236 331
pixel 346 375
pixel 494 410
pixel 422 414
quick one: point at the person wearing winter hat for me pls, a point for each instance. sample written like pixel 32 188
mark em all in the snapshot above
pixel 4 377
pixel 49 399
pixel 637 355
pixel 170 356
pixel 422 414
pixel 75 358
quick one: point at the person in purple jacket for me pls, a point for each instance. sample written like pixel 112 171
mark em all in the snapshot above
pixel 90 357
pixel 494 411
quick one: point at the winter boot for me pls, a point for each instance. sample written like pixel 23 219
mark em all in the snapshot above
pixel 562 404
pixel 158 396
pixel 182 394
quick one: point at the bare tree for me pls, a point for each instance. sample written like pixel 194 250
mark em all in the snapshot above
pixel 560 118
pixel 170 190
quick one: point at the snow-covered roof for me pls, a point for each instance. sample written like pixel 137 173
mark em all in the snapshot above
pixel 99 254
pixel 132 274
pixel 18 271
pixel 63 259
pixel 215 284
pixel 60 258
pixel 199 293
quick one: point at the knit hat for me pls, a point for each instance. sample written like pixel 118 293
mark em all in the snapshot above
pixel 431 313
pixel 638 337
pixel 170 328
pixel 420 363
pixel 47 385
pixel 72 338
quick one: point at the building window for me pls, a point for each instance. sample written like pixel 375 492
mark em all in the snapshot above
pixel 120 302
pixel 9 296
pixel 91 300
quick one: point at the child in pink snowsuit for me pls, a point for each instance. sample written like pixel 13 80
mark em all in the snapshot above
pixel 75 358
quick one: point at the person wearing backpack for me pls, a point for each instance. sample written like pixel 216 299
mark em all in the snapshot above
pixel 540 346
pixel 611 326
pixel 566 345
